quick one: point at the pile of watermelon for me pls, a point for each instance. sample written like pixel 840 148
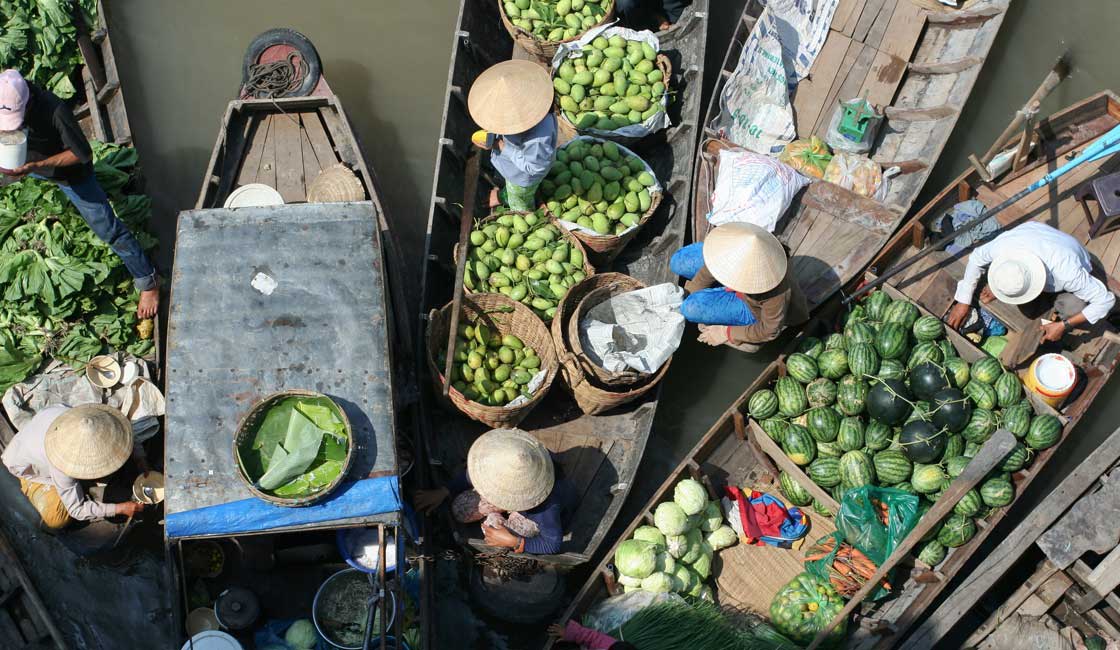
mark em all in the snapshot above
pixel 887 401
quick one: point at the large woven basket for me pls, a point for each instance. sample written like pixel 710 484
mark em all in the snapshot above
pixel 248 427
pixel 593 298
pixel 505 316
pixel 591 395
pixel 566 130
pixel 542 50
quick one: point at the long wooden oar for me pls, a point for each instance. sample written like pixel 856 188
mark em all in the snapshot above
pixel 466 222
pixel 1105 146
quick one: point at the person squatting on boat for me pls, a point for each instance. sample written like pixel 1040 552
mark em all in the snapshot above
pixel 1026 262
pixel 662 13
pixel 512 102
pixel 741 288
pixel 511 486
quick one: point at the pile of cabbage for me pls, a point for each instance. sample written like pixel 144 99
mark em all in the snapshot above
pixel 675 555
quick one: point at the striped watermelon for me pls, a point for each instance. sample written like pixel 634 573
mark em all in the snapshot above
pixel 947 349
pixel 987 370
pixel 763 404
pixel 877 436
pixel 921 412
pixel 820 392
pixel 791 397
pixel 834 341
pixel 820 509
pixel 957 369
pixel 892 467
pixel 969 505
pixel 906 487
pixel 954 446
pixel 902 312
pixel 933 553
pixel 983 395
pixel 854 314
pixel 1017 419
pixel 1009 390
pixel 1045 432
pixel 796 494
pixel 856 470
pixel 997 492
pixel 892 341
pixel 980 426
pixel 829 450
pixel 859 332
pixel 927 328
pixel 811 346
pixel 799 445
pixel 850 436
pixel 928 479
pixel 1016 459
pixel 862 359
pixel 775 428
pixel 971 449
pixel 891 369
pixel 851 395
pixel 957 530
pixel 823 423
pixel 876 304
pixel 954 465
pixel 833 363
pixel 825 472
pixel 801 367
pixel 923 352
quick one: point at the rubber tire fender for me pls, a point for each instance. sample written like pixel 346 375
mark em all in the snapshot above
pixel 285 36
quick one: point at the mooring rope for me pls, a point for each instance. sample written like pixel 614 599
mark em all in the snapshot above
pixel 276 79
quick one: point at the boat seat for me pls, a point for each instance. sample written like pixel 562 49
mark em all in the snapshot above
pixel 1105 190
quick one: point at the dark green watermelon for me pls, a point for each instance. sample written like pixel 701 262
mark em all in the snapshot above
pixel 933 553
pixel 892 341
pixel 922 442
pixel 811 346
pixel 926 379
pixel 951 409
pixel 888 402
pixel 928 479
pixel 823 423
pixel 876 304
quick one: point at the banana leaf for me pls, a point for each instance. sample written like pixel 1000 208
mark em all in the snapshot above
pixel 298 449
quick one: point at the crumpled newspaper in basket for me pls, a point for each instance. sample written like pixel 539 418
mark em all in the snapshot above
pixel 639 329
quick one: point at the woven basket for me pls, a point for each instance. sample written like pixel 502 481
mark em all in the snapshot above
pixel 248 426
pixel 566 130
pixel 592 396
pixel 593 298
pixel 336 184
pixel 504 316
pixel 544 51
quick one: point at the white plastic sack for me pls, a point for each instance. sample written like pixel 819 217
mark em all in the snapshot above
pixel 854 172
pixel 638 329
pixel 752 188
pixel 572 226
pixel 612 613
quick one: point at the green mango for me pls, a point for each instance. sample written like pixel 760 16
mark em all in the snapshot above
pixel 594 59
pixel 591 163
pixel 578 93
pixel 595 194
pixel 647 179
pixel 569 104
pixel 620 108
pixel 635 57
pixel 599 43
pixel 566 71
pixel 603 102
pixel 644 200
pixel 608 90
pixel 616 41
pixel 638 103
pixel 631 202
pixel 585 222
pixel 561 86
pixel 587 121
pixel 600 77
pixel 583 78
pixel 655 75
pixel 653 110
pixel 644 66
pixel 634 117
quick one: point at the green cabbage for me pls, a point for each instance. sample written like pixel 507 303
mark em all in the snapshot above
pixel 659 582
pixel 684 579
pixel 722 537
pixel 636 558
pixel 665 562
pixel 677 545
pixel 670 519
pixel 712 517
pixel 706 594
pixel 627 581
pixel 695 546
pixel 703 564
pixel 650 534
pixel 697 586
pixel 691 496
pixel 301 635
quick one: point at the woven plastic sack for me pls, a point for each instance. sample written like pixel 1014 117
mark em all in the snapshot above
pixel 752 188
pixel 612 613
pixel 810 157
pixel 854 172
pixel 859 519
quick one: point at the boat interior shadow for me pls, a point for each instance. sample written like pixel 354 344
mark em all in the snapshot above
pixel 365 455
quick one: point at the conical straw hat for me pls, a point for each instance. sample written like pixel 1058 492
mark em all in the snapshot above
pixel 511 469
pixel 511 97
pixel 90 441
pixel 745 258
pixel 337 183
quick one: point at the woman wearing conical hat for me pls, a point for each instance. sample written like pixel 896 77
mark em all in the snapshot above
pixel 741 288
pixel 512 102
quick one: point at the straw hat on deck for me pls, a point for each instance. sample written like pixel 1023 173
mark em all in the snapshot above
pixel 745 258
pixel 1017 277
pixel 89 442
pixel 511 97
pixel 511 469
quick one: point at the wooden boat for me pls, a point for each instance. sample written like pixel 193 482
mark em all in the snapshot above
pixel 919 60
pixel 601 453
pixel 736 452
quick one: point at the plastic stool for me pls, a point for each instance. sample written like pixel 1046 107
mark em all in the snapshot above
pixel 1106 192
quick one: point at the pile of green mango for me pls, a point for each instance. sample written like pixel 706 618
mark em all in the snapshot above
pixel 524 256
pixel 598 185
pixel 489 368
pixel 556 20
pixel 614 84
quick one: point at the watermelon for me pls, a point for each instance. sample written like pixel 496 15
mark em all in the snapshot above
pixel 823 423
pixel 877 436
pixel 951 409
pixel 863 360
pixel 971 449
pixel 1016 459
pixel 811 346
pixel 1017 419
pixel 906 487
pixel 763 404
pixel 954 465
pixel 850 436
pixel 997 492
pixel 921 412
pixel 853 315
pixel 947 349
pixel 1045 432
pixel 980 426
pixel 819 392
pixel 892 466
pixel 982 394
pixel 793 491
pixel 829 450
pixel 801 367
pixel 775 428
pixel 888 401
pixel 987 370
pixel 954 446
pixel 923 352
pixel 928 479
pixel 957 371
pixel 927 328
pixel 859 332
pixel 891 369
pixel 825 472
pixel 891 343
pixel 833 363
pixel 876 304
pixel 926 379
pixel 820 509
pixel 851 395
pixel 856 470
pixel 933 553
pixel 799 445
pixel 834 342
pixel 1009 390
pixel 902 312
pixel 922 442
pixel 969 505
pixel 791 397
pixel 958 529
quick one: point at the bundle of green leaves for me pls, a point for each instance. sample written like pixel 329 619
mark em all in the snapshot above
pixel 64 293
pixel 40 40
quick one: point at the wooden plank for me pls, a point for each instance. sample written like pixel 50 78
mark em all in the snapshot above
pixel 1090 525
pixel 250 168
pixel 1011 605
pixel 1104 578
pixel 871 11
pixel 853 82
pixel 851 19
pixel 882 22
pixel 266 173
pixel 843 14
pixel 883 79
pixel 311 166
pixel 289 158
pixel 904 30
pixel 809 99
pixel 316 133
pixel 832 98
pixel 802 222
pixel 771 448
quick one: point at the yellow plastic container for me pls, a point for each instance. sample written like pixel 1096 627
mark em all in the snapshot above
pixel 1052 377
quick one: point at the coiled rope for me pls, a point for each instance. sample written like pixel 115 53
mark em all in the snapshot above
pixel 276 79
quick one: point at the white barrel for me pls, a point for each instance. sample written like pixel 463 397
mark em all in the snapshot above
pixel 13 149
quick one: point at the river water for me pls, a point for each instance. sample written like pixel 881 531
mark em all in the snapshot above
pixel 180 62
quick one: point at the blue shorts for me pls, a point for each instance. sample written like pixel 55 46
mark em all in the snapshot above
pixel 714 306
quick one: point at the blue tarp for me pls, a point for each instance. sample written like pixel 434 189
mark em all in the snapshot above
pixel 364 498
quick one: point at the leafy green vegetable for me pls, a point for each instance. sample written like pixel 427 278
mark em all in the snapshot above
pixel 40 40
pixel 298 449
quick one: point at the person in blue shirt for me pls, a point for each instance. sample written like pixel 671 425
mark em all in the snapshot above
pixel 510 486
pixel 643 13
pixel 512 102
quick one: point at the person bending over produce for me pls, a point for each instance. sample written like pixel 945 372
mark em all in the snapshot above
pixel 1027 261
pixel 509 471
pixel 757 296
pixel 663 13
pixel 58 151
pixel 61 447
pixel 512 102
pixel 587 638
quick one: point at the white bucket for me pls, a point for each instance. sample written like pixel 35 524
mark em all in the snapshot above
pixel 13 149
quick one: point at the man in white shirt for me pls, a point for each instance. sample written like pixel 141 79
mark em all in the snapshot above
pixel 1028 260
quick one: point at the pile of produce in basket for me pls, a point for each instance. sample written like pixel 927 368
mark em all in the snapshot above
pixel 556 20
pixel 525 257
pixel 804 606
pixel 615 83
pixel 888 402
pixel 64 293
pixel 41 41
pixel 598 185
pixel 675 555
pixel 489 368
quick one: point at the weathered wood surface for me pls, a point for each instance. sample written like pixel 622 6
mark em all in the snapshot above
pixel 1092 524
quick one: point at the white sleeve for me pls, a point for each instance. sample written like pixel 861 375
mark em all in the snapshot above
pixel 977 262
pixel 1099 300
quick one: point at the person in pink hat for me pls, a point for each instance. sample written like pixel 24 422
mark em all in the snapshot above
pixel 58 151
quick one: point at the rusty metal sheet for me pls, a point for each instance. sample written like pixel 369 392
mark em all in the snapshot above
pixel 323 327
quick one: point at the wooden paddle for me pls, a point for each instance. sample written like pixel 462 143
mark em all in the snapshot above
pixel 466 222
